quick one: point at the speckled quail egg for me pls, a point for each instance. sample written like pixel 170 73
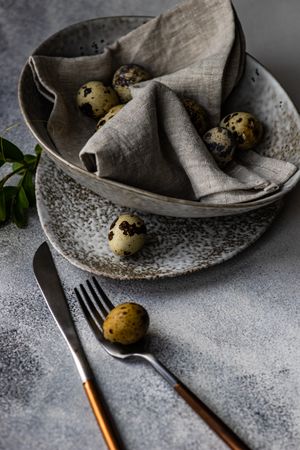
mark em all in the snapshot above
pixel 125 77
pixel 198 115
pixel 246 129
pixel 221 143
pixel 111 113
pixel 126 324
pixel 127 235
pixel 95 99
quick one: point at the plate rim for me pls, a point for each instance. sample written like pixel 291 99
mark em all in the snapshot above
pixel 170 274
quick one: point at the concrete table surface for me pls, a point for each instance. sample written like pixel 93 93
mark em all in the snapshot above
pixel 231 332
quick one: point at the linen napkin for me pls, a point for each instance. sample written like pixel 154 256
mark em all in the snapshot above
pixel 196 50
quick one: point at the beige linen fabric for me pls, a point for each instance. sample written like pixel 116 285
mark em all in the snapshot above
pixel 196 50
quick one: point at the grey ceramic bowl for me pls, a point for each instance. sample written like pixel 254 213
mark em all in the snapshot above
pixel 257 92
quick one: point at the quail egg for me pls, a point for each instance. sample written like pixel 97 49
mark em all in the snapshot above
pixel 111 113
pixel 198 115
pixel 221 143
pixel 125 77
pixel 246 129
pixel 127 235
pixel 126 324
pixel 95 99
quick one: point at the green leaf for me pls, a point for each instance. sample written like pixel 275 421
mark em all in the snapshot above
pixel 28 186
pixel 15 200
pixel 38 150
pixel 10 192
pixel 22 198
pixel 30 160
pixel 19 215
pixel 10 195
pixel 9 152
pixel 2 206
pixel 17 166
pixel 20 208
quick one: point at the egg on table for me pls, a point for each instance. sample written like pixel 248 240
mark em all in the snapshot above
pixel 245 127
pixel 95 99
pixel 127 235
pixel 111 113
pixel 198 115
pixel 127 76
pixel 221 144
pixel 126 324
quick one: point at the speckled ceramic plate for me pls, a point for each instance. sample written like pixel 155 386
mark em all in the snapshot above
pixel 76 221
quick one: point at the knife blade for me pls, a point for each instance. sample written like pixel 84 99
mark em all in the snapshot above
pixel 50 285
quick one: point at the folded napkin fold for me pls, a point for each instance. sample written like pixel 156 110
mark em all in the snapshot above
pixel 197 51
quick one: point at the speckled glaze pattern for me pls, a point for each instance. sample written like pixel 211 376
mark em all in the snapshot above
pixel 258 93
pixel 77 223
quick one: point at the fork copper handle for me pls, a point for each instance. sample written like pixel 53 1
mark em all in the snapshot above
pixel 212 420
pixel 103 418
pixel 215 423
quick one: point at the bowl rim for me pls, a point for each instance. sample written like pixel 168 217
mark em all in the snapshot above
pixel 153 196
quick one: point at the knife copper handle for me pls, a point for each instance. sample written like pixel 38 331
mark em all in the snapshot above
pixel 50 285
pixel 103 417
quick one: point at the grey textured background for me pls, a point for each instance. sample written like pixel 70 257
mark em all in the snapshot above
pixel 231 332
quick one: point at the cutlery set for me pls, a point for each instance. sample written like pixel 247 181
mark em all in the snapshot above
pixel 96 306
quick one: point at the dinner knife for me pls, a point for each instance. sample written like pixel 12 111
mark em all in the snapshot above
pixel 50 285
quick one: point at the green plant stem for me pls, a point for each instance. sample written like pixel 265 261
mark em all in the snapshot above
pixel 7 177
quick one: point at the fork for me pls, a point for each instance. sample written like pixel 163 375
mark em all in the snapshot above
pixel 96 305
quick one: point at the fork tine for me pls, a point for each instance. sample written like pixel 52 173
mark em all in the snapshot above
pixel 97 300
pixel 95 327
pixel 91 307
pixel 105 300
